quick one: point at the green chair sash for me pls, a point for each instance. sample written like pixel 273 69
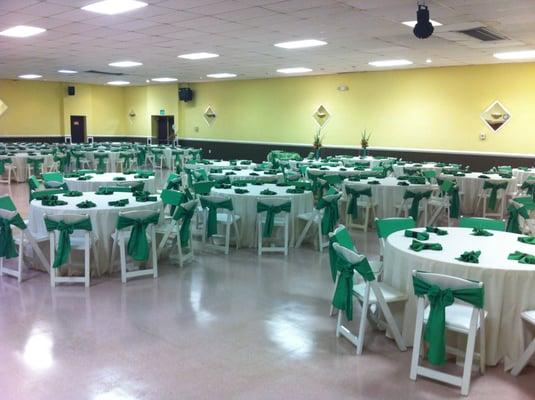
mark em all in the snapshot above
pixel 36 163
pixel 419 246
pixel 330 214
pixel 212 207
pixel 271 211
pixel 138 245
pixel 3 162
pixel 343 238
pixel 439 299
pixel 513 221
pixel 8 249
pixel 101 161
pixel 416 198
pixel 494 187
pixel 118 203
pixel 65 229
pixel 353 197
pixel 184 215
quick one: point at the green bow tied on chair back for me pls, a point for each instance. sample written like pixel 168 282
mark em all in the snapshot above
pixel 271 211
pixel 7 244
pixel 213 204
pixel 450 188
pixel 62 161
pixel 516 211
pixel 3 162
pixel 353 197
pixel 416 198
pixel 329 205
pixel 127 159
pixel 65 229
pixel 157 153
pixel 439 298
pixel 341 236
pixel 37 164
pixel 349 261
pixel 138 245
pixel 141 153
pixel 494 187
pixel 77 156
pixel 101 161
pixel 529 186
pixel 185 213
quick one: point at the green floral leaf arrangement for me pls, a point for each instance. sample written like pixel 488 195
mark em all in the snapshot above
pixel 365 139
pixel 318 139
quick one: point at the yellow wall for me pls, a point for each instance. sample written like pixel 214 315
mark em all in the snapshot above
pixel 436 108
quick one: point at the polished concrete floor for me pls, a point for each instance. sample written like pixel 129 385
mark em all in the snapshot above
pixel 222 327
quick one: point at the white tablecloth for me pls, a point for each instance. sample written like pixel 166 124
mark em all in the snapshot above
pixel 246 174
pixel 399 169
pixel 521 175
pixel 103 218
pixel 509 285
pixel 470 185
pixel 349 171
pixel 220 165
pixel 20 160
pixel 106 179
pixel 111 162
pixel 245 207
pixel 388 194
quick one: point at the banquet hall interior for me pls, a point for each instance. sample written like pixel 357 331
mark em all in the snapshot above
pixel 267 199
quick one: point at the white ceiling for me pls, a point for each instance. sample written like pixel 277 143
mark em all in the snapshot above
pixel 243 33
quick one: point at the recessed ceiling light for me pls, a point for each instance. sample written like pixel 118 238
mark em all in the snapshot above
pixel 516 55
pixel 428 61
pixel 125 64
pixel 198 56
pixel 67 71
pixel 22 31
pixel 390 63
pixel 412 24
pixel 164 79
pixel 301 44
pixel 118 83
pixel 30 76
pixel 295 70
pixel 221 75
pixel 112 7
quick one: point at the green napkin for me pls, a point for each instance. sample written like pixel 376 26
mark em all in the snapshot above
pixel 268 192
pixel 403 183
pixel 141 176
pixel 236 169
pixel 253 174
pixel 416 234
pixel 324 168
pixel 220 185
pixel 484 176
pixel 129 172
pixel 354 178
pixel 119 178
pixel 84 178
pixel 257 183
pixel 73 193
pixel 481 232
pixel 470 257
pixel 438 231
pixel 240 191
pixel 295 190
pixel 143 197
pixel 52 201
pixel 527 239
pixel 403 178
pixel 419 246
pixel 86 204
pixel 522 258
pixel 118 203
pixel 283 184
pixel 239 183
pixel 373 182
pixel 230 173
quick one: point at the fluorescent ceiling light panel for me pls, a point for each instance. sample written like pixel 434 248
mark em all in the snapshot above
pixel 412 24
pixel 295 70
pixel 30 76
pixel 198 56
pixel 516 55
pixel 125 64
pixel 164 79
pixel 118 83
pixel 221 75
pixel 22 31
pixel 112 7
pixel 300 44
pixel 390 63
pixel 67 71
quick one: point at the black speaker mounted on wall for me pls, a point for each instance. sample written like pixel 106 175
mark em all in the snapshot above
pixel 71 90
pixel 185 94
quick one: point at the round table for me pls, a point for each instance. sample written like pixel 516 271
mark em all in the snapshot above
pixel 522 175
pixel 509 285
pixel 343 171
pixel 245 206
pixel 219 165
pixel 246 174
pixel 106 179
pixel 111 162
pixel 387 194
pixel 20 160
pixel 103 218
pixel 431 166
pixel 374 162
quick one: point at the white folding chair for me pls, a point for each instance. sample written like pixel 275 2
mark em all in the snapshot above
pixel 9 171
pixel 226 217
pixel 501 200
pixel 313 218
pixel 403 208
pixel 529 318
pixel 364 202
pixel 282 220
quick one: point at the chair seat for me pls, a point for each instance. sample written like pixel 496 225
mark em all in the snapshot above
pixel 390 294
pixel 311 215
pixel 279 219
pixel 438 201
pixel 78 242
pixel 457 317
pixel 529 316
pixel 222 218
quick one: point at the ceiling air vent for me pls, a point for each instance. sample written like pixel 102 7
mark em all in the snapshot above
pixel 92 71
pixel 484 34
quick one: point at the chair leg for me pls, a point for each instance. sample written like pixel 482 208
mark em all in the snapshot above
pixel 469 355
pixel 237 233
pixel 416 347
pixel 1 266
pixel 123 259
pixel 524 359
pixel 227 238
pixel 259 236
pixel 303 234
pixel 286 235
pixel 86 260
pixel 363 320
pixel 52 257
pixel 19 266
pixel 482 343
pixel 154 252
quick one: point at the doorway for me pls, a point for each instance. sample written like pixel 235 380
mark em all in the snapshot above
pixel 78 128
pixel 162 128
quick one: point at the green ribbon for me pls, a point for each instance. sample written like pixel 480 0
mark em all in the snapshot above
pixel 522 258
pixel 530 186
pixel 77 156
pixel 494 187
pixel 330 214
pixel 481 232
pixel 240 191
pixel 65 229
pixel 295 190
pixel 126 157
pixel 138 245
pixel 268 192
pixel 513 221
pixel 144 197
pixel 439 299
pixel 8 249
pixel 140 156
pixel 416 198
pixel 63 162
pixel 416 234
pixel 185 215
pixel 213 206
pixel 527 239
pixel 271 211
pixel 86 204
pixel 353 197
pixel 419 246
pixel 3 162
pixel 438 231
pixel 100 157
pixel 73 193
pixel 52 200
pixel 343 238
pixel 470 257
pixel 36 164
pixel 451 189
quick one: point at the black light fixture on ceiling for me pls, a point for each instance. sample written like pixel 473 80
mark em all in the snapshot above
pixel 423 28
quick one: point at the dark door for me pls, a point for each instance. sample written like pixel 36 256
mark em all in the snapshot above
pixel 78 128
pixel 165 128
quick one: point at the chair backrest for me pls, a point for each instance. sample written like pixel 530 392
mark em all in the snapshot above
pixel 218 200
pixel 172 197
pixel 341 235
pixel 6 203
pixel 482 223
pixel 386 226
pixel 53 177
pixel 33 183
pixel 347 254
pixel 446 281
pixel 273 201
pixel 7 214
pixel 203 187
pixel 67 218
pixel 190 204
pixel 139 214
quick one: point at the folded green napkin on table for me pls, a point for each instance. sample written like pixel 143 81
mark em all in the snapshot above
pixel 236 169
pixel 52 201
pixel 245 162
pixel 240 191
pixel 484 176
pixel 118 203
pixel 257 169
pixel 268 192
pixel 230 173
pixel 119 178
pixel 239 183
pixel 73 193
pixel 354 178
pixel 402 178
pixel 104 191
pixel 253 174
pixel 283 184
pixel 403 183
pixel 343 169
pixel 527 239
pixel 419 246
pixel 470 257
pixel 522 258
pixel 324 168
pixel 220 185
pixel 86 204
pixel 129 172
pixel 141 176
pixel 416 234
pixel 417 180
pixel 373 182
pixel 481 232
pixel 257 183
pixel 438 231
pixel 143 197
pixel 295 190
pixel 84 178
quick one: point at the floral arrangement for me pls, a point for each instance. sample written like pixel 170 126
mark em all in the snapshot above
pixel 365 139
pixel 318 139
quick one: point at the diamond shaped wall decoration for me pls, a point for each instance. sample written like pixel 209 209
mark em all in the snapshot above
pixel 321 115
pixel 3 107
pixel 496 116
pixel 209 115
